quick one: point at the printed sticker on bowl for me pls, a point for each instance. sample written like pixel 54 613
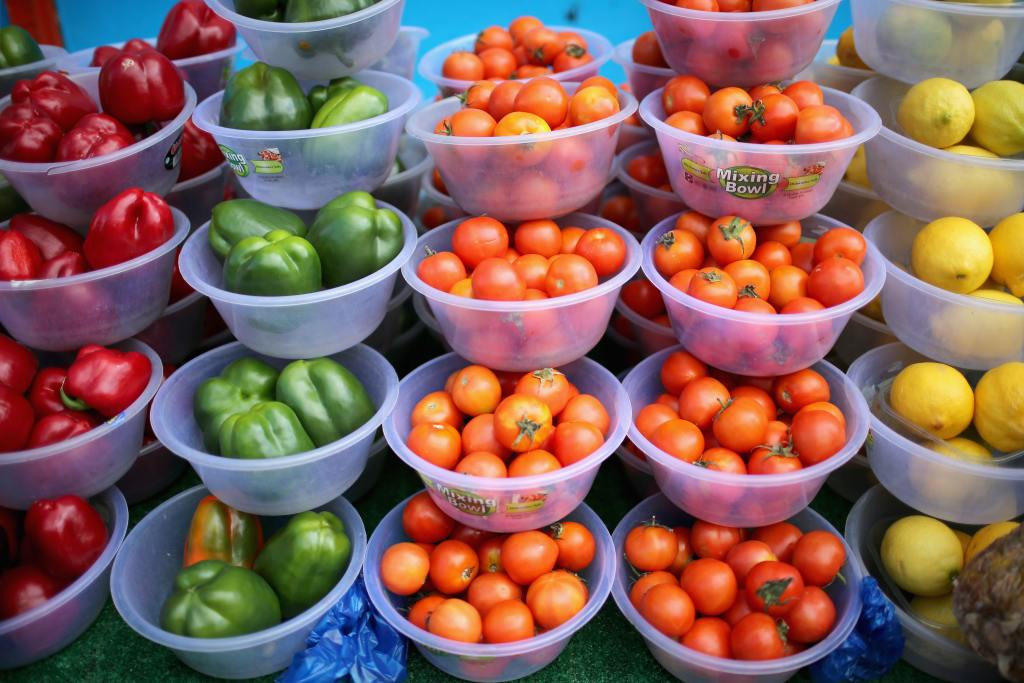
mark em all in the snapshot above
pixel 270 162
pixel 749 182
pixel 236 161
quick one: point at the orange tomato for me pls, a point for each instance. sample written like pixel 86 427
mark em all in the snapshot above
pixel 731 238
pixel 481 464
pixel 438 444
pixel 437 407
pixel 546 98
pixel 752 278
pixel 463 66
pixel 521 123
pixel 542 237
pixel 574 441
pixel 787 234
pixel 479 238
pixel 725 111
pixel 478 96
pixel 467 123
pixel 697 223
pixel 677 250
pixel 787 283
pixel 533 463
pixel 404 568
pixel 689 121
pixel 502 99
pixel 600 81
pixel 679 438
pixel 591 104
pixel 522 423
pixel 533 269
pixel 520 26
pixel 685 93
pixel 679 369
pixel 570 238
pixel 568 274
pixel 588 409
pixel 496 279
pixel 456 620
pixel 498 62
pixel 463 287
pixel 714 286
pixel 507 622
pixel 493 36
pixel 441 270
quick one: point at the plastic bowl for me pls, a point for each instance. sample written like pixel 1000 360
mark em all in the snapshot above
pixel 652 204
pixel 854 205
pixel 154 470
pixel 435 198
pixel 272 486
pixel 835 76
pixel 305 169
pixel 550 174
pixel 426 316
pixel 638 472
pixel 177 333
pixel 303 325
pixel 480 661
pixel 403 189
pixel 741 48
pixel 55 624
pixel 957 329
pixel 523 335
pixel 432 62
pixel 753 343
pixel 925 648
pixel 391 326
pixel 852 480
pixel 642 79
pixel 968 492
pixel 69 192
pixel 686 664
pixel 150 558
pixel 515 503
pixel 197 196
pixel 765 184
pixel 630 135
pixel 401 58
pixel 649 335
pixel 861 335
pixel 743 499
pixel 379 452
pixel 912 40
pixel 51 56
pixel 206 74
pixel 98 307
pixel 320 49
pixel 929 183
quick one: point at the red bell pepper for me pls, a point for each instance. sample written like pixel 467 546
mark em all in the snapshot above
pixel 44 394
pixel 19 258
pixel 26 135
pixel 66 535
pixel 105 380
pixel 16 418
pixel 24 588
pixel 55 96
pixel 140 87
pixel 67 264
pixel 52 238
pixel 17 365
pixel 179 288
pixel 191 28
pixel 60 427
pixel 10 535
pixel 131 224
pixel 199 152
pixel 93 136
pixel 103 53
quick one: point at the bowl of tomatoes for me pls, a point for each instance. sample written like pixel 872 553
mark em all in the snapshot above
pixel 698 605
pixel 644 64
pixel 544 305
pixel 641 168
pixel 728 150
pixel 742 451
pixel 513 457
pixel 502 606
pixel 506 154
pixel 642 307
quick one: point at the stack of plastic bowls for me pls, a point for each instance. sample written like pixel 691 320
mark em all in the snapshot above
pixel 653 204
pixel 826 72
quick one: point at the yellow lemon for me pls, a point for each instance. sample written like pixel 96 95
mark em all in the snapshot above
pixel 937 112
pixel 938 612
pixel 977 188
pixel 997 295
pixel 999 117
pixel 914 34
pixel 846 51
pixel 933 396
pixel 833 60
pixel 977 45
pixel 972 151
pixel 857 171
pixel 922 555
pixel 999 411
pixel 952 253
pixel 961 448
pixel 985 536
pixel 1008 253
pixel 874 309
pixel 965 540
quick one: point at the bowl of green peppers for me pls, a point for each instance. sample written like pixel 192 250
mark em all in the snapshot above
pixel 234 595
pixel 22 57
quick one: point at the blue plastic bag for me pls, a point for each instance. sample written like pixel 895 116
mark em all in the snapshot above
pixel 873 647
pixel 352 640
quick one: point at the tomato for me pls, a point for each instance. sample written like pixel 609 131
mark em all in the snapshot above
pixel 830 408
pixel 803 256
pixel 542 237
pixel 570 238
pixel 768 5
pixel 648 169
pixel 479 238
pixel 773 118
pixel 532 269
pixel 812 617
pixel 668 608
pixel 709 636
pixel 787 234
pixel 684 553
pixel 758 394
pixel 685 93
pixel 727 111
pixel 521 123
pixel 598 81
pixel 670 401
pixel 482 464
pixel 713 540
pixel 653 416
pixel 437 407
pixel 456 619
pixel 719 135
pixel 752 278
pixel 802 304
pixel 502 99
pixel 467 123
pixel 680 439
pixel 420 612
pixel 738 610
pixel 490 588
pixel 731 238
pixel 677 250
pixel 773 587
pixel 527 71
pixel 781 537
pixel 721 460
pixel 835 281
pixel 645 583
pixel 804 93
pixel 798 389
pixel 496 279
pixel 478 436
pixel 756 637
pixel 463 66
pixel 697 223
pixel 508 621
pixel 441 270
pixel 546 98
pixel 493 36
pixel 527 555
pixel 433 217
pixel 576 545
pixel 701 400
pixel 820 123
pixel 759 92
pixel 818 556
pixel 520 26
pixel 714 286
pixel 533 463
pixel 453 565
pixel 647 51
pixel 843 242
pixel 688 121
pixel 700 5
pixel 776 459
pixel 711 584
pixel 679 369
pixel 555 598
pixel 424 522
pixel 573 56
pixel 592 104
pixel 404 568
pixel 475 389
pixel 574 441
pixel 605 250
pixel 489 554
pixel 547 384
pixel 786 284
pixel 777 433
pixel 742 557
pixel 643 298
pixel 817 436
pixel 568 274
pixel 522 423
pixel 650 547
pixel 741 425
pixel 438 444
pixel 589 410
pixel 621 211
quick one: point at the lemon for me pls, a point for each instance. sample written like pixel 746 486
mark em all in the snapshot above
pixel 985 536
pixel 978 45
pixel 857 171
pixel 922 555
pixel 937 112
pixel 938 612
pixel 846 51
pixel 873 309
pixel 965 540
pixel 1008 253
pixel 997 295
pixel 833 60
pixel 935 397
pixel 912 35
pixel 952 253
pixel 999 414
pixel 961 448
pixel 999 117
pixel 971 151
pixel 976 188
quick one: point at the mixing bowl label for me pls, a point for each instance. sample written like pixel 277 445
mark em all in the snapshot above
pixel 235 160
pixel 751 182
pixel 270 162
pixel 462 500
pixel 526 502
pixel 173 156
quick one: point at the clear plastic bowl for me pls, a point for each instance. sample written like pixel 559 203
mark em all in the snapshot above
pixel 852 480
pixel 520 178
pixel 55 624
pixel 302 325
pixel 481 661
pixel 964 491
pixel 925 648
pixel 432 62
pixel 305 169
pixel 929 183
pixel 523 335
pixel 207 74
pixel 861 335
pixel 426 316
pixel 379 452
pixel 642 79
pixel 652 204
pixel 320 49
pixel 88 463
pixel 197 196
pixel 52 55
pixel 401 58
pixel 911 40
pixel 687 664
pixel 150 558
pixel 403 189
pixel 177 333
pixel 835 76
pixel 754 343
pixel 154 470
pixel 69 192
pixel 272 486
pixel 854 205
pixel 649 335
pixel 638 472
pixel 964 331
pixel 740 48
pixel 391 326
pixel 630 135
pixel 743 500
pixel 766 184
pixel 514 503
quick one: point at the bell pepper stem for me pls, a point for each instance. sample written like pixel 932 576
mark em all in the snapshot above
pixel 72 403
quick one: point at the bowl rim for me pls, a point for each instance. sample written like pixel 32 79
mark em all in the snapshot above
pixel 643 323
pixel 821 62
pixel 632 184
pixel 51 55
pixel 435 195
pixel 416 170
pixel 73 59
pixel 201 179
pixel 248 23
pixel 1010 10
pixel 727 17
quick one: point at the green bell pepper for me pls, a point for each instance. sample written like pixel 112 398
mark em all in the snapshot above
pixel 213 599
pixel 17 47
pixel 267 10
pixel 305 560
pixel 234 220
pixel 241 385
pixel 263 97
pixel 267 430
pixel 318 10
pixel 357 104
pixel 319 94
pixel 277 264
pixel 329 400
pixel 354 238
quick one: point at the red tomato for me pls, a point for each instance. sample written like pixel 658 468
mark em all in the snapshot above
pixel 721 460
pixel 701 400
pixel 773 587
pixel 679 369
pixel 489 554
pixel 441 270
pixel 507 622
pixel 820 123
pixel 576 545
pixel 424 522
pixel 756 637
pixel 527 555
pixel 812 617
pixel 668 608
pixel 588 409
pixel 542 237
pixel 743 556
pixel 478 435
pixel 715 286
pixel 555 598
pixel 739 609
pixel 684 552
pixel 648 169
pixel 549 385
pixel 546 98
pixel 713 540
pixel 647 582
pixel 677 250
pixel 804 93
pixel 829 408
pixel 817 436
pixel 574 441
pixel 592 104
pixel 781 537
pixel 772 255
pixel 773 460
pixel 479 238
pixel 647 51
pixel 843 242
pixel 802 304
pixel 680 439
pixel 533 463
pixel 803 256
pixel 453 565
pixel 482 464
pixel 697 223
pixel 490 588
pixel 463 66
pixel 711 584
pixel 798 389
pixel 493 36
pixel 758 394
pixel 643 298
pixel 420 612
pixel 787 234
pixel 773 118
pixel 685 93
pixel 731 238
pixel 651 547
pixel 741 425
pixel 496 279
pixel 835 281
pixel 710 636
pixel 605 250
pixel 502 99
pixel 568 274
pixel 653 416
pixel 818 556
pixel 727 111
